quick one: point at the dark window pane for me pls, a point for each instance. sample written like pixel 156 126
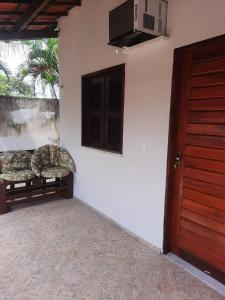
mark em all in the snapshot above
pixel 95 130
pixel 95 96
pixel 115 95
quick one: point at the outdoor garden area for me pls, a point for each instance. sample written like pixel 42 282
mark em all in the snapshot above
pixel 29 92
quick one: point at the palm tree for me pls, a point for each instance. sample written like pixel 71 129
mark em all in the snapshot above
pixel 42 64
pixel 11 85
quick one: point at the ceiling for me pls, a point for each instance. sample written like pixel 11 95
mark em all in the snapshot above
pixel 32 19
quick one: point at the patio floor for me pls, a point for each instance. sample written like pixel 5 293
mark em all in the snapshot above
pixel 63 250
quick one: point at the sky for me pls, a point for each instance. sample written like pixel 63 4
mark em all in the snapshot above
pixel 15 60
pixel 13 55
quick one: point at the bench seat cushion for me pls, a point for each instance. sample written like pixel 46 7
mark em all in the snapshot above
pixel 17 175
pixel 54 172
pixel 51 161
pixel 16 160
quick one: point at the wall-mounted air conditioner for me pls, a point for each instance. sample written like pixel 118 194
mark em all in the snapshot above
pixel 136 21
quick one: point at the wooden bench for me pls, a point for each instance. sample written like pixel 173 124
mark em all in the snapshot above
pixel 37 188
pixel 14 193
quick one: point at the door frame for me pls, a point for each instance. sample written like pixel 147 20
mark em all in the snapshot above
pixel 172 144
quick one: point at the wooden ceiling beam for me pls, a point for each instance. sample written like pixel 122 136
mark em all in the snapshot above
pixel 15 1
pixel 52 2
pixel 42 13
pixel 30 14
pixel 71 3
pixel 28 35
pixel 41 23
pixel 35 8
pixel 10 13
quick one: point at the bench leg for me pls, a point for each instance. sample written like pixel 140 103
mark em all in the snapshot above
pixel 69 186
pixel 3 204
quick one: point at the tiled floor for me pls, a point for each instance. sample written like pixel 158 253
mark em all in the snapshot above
pixel 62 250
pixel 197 273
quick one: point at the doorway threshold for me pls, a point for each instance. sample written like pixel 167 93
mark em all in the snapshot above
pixel 213 283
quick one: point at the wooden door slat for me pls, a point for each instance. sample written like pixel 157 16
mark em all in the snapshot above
pixel 207 104
pixel 205 141
pixel 204 187
pixel 200 197
pixel 211 52
pixel 211 177
pixel 198 246
pixel 211 235
pixel 207 92
pixel 204 164
pixel 206 117
pixel 203 221
pixel 211 66
pixel 201 209
pixel 206 129
pixel 208 153
pixel 208 80
pixel 197 239
pixel 200 253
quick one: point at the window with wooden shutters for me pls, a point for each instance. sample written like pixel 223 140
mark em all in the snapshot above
pixel 102 109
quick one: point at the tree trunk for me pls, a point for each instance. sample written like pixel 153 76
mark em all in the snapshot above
pixel 53 90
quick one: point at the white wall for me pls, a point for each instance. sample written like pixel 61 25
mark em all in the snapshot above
pixel 128 188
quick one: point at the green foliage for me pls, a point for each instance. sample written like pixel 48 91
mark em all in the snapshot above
pixel 42 64
pixel 4 68
pixel 3 84
pixel 13 86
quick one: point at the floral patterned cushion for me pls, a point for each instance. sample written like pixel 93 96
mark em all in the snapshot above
pixel 54 159
pixel 36 163
pixel 45 155
pixel 66 161
pixel 54 155
pixel 17 175
pixel 1 161
pixel 54 172
pixel 15 160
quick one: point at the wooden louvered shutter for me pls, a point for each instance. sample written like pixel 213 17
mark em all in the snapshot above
pixel 114 112
pixel 102 109
pixel 92 116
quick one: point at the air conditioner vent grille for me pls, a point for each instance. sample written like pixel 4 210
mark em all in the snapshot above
pixel 149 22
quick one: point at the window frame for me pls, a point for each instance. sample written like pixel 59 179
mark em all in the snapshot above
pixel 104 145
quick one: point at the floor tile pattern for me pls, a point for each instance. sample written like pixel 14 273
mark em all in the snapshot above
pixel 62 250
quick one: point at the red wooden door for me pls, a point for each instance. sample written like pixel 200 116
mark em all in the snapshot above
pixel 197 215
